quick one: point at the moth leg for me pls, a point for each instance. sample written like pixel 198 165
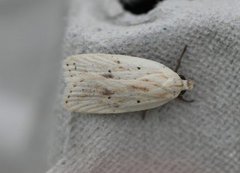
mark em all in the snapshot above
pixel 185 100
pixel 180 59
pixel 144 113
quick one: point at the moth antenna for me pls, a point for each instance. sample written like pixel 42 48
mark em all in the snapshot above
pixel 180 59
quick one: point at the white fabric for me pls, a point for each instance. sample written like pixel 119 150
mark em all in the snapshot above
pixel 179 137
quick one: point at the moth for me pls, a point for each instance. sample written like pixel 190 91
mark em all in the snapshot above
pixel 108 83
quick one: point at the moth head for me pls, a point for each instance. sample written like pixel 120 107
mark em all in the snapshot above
pixel 187 84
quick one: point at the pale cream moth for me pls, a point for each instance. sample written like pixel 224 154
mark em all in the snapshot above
pixel 108 83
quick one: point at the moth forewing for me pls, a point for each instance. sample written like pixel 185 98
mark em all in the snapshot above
pixel 123 67
pixel 104 83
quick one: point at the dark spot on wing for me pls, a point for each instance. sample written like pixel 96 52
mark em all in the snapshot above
pixel 109 71
pixel 140 88
pixel 116 105
pixel 107 75
pixel 117 61
pixel 138 68
pixel 107 92
pixel 85 95
pixel 121 67
pixel 138 101
pixel 146 80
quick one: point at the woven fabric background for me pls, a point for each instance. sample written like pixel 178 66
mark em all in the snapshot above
pixel 179 137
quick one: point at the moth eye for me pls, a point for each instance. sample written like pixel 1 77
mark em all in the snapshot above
pixel 109 97
pixel 138 101
pixel 66 102
pixel 109 71
pixel 138 68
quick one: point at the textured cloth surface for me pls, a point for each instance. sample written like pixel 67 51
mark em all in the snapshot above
pixel 179 137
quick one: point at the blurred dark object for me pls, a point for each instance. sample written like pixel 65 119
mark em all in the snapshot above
pixel 139 6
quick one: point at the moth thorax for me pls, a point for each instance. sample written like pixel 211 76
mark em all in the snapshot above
pixel 187 84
